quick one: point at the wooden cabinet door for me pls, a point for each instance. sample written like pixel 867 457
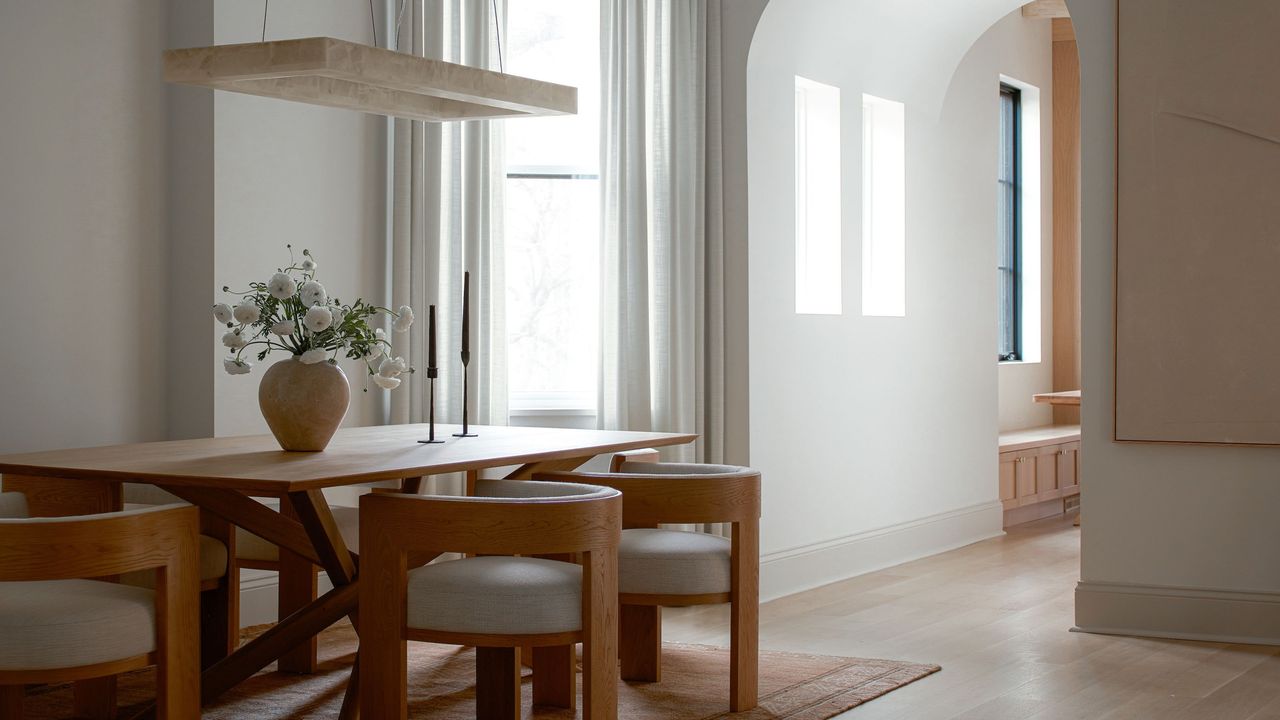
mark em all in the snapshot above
pixel 1068 466
pixel 1024 473
pixel 1008 486
pixel 1046 473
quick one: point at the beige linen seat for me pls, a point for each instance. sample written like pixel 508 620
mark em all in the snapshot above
pixel 58 627
pixel 496 602
pixel 665 567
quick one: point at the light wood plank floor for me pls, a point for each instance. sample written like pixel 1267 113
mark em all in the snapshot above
pixel 995 616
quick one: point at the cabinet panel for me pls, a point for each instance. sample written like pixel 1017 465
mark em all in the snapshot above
pixel 1047 473
pixel 1067 469
pixel 1025 475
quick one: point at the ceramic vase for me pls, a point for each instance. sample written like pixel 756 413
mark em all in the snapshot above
pixel 304 404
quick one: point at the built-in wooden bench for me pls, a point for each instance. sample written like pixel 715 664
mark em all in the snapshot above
pixel 1039 471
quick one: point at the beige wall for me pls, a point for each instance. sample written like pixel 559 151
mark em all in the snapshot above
pixel 83 281
pixel 1177 540
pixel 301 174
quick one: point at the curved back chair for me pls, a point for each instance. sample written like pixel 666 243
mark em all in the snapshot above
pixel 495 601
pixel 58 627
pixel 224 550
pixel 660 567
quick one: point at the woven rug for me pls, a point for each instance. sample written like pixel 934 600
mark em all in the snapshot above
pixel 695 686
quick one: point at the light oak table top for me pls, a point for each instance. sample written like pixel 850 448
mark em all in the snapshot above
pixel 355 455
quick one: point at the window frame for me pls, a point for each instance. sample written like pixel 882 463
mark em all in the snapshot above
pixel 1013 143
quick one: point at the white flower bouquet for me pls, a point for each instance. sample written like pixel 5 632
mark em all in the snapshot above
pixel 293 312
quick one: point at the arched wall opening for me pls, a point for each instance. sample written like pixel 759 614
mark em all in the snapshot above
pixel 877 433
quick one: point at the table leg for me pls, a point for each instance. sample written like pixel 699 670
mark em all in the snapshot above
pixel 297 587
pixel 275 642
pixel 526 471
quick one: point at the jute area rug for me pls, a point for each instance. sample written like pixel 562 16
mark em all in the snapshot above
pixel 695 686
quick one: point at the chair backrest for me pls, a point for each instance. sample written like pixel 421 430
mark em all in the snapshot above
pixel 13 505
pixel 91 546
pixel 509 517
pixel 661 493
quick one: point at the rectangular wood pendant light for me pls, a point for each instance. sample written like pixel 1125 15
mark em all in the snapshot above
pixel 337 73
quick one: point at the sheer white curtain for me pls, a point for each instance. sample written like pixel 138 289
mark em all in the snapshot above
pixel 662 309
pixel 446 218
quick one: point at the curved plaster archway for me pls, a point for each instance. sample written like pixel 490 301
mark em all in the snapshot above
pixel 875 434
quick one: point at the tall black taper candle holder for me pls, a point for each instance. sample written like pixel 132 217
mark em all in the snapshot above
pixel 432 373
pixel 431 413
pixel 466 360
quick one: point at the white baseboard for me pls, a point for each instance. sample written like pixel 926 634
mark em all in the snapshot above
pixel 1182 613
pixel 781 573
pixel 791 571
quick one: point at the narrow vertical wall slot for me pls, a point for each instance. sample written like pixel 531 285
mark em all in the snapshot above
pixel 817 198
pixel 884 207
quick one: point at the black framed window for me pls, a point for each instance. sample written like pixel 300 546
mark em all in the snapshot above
pixel 1008 226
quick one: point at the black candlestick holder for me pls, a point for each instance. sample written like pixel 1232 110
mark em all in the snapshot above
pixel 431 412
pixel 466 360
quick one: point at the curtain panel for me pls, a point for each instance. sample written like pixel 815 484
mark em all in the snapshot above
pixel 662 253
pixel 447 210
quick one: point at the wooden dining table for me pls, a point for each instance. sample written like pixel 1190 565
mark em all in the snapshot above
pixel 223 476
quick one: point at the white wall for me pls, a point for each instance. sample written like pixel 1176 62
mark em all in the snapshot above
pixel 877 436
pixel 293 173
pixel 1177 540
pixel 82 224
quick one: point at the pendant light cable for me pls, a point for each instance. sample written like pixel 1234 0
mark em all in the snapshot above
pixel 497 30
pixel 265 5
pixel 373 23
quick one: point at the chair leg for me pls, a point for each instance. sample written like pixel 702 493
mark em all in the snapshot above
pixel 600 636
pixel 744 646
pixel 555 677
pixel 497 683
pixel 641 643
pixel 11 697
pixel 95 698
pixel 219 621
pixel 296 590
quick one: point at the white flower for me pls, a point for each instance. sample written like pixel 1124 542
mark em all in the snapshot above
pixel 246 312
pixel 405 321
pixel 313 356
pixel 387 383
pixel 236 367
pixel 392 367
pixel 309 265
pixel 318 318
pixel 313 293
pixel 376 347
pixel 222 313
pixel 281 286
pixel 234 340
pixel 283 328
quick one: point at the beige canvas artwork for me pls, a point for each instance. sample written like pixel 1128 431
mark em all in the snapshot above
pixel 1198 223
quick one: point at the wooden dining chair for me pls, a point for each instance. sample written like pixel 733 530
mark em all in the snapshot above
pixel 58 625
pixel 494 601
pixel 224 550
pixel 659 567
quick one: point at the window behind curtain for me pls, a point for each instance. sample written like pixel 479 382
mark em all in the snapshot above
pixel 1008 235
pixel 552 212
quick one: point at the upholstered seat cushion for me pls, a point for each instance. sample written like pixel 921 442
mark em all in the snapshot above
pixel 69 623
pixel 673 562
pixel 252 547
pixel 496 595
pixel 213 565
